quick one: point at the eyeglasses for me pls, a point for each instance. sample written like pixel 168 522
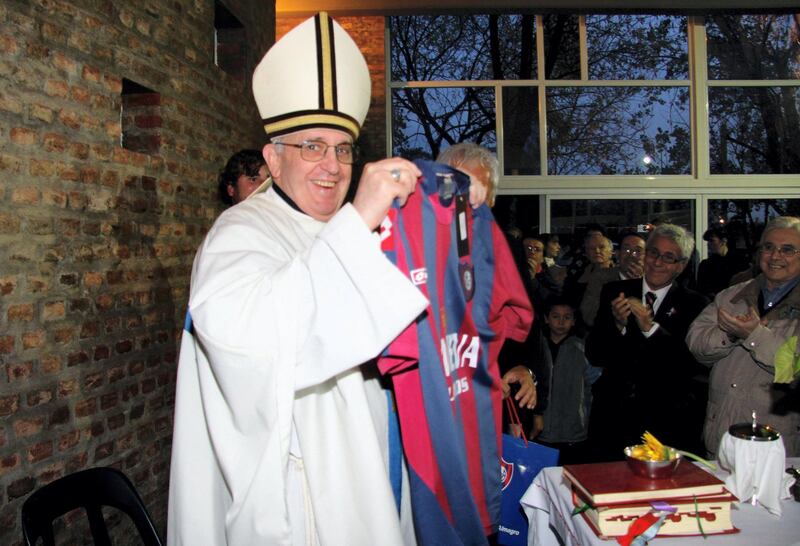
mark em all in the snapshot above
pixel 784 251
pixel 532 248
pixel 635 252
pixel 668 258
pixel 314 151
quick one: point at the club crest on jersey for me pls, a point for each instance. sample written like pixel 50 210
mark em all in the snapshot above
pixel 419 276
pixel 506 473
pixel 466 273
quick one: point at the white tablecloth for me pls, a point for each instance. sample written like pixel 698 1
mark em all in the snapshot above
pixel 548 505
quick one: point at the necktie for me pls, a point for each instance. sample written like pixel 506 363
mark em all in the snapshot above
pixel 650 298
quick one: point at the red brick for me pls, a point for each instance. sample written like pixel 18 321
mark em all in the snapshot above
pixel 93 380
pixel 6 344
pixel 54 142
pixel 76 358
pixel 66 387
pixel 40 451
pixel 124 346
pixel 55 199
pixel 50 364
pixel 115 374
pixel 20 313
pixel 90 73
pixel 104 302
pixel 23 135
pixel 116 421
pixel 28 427
pixel 63 335
pixel 9 224
pixel 148 385
pixel 8 45
pixel 20 488
pixel 104 451
pixel 80 94
pixel 19 371
pixel 78 462
pixel 90 329
pixel 92 279
pixel 109 400
pixel 54 310
pixel 69 119
pixel 38 397
pixel 87 407
pixel 9 405
pixel 9 463
pixel 30 340
pixel 101 352
pixel 7 285
pixel 45 168
pixel 69 440
pixel 51 472
pixel 25 196
pixel 56 88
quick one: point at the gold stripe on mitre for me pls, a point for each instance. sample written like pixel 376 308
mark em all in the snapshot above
pixel 312 120
pixel 327 68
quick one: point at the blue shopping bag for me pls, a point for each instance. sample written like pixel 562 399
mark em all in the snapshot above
pixel 520 463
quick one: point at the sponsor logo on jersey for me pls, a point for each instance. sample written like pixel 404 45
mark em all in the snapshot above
pixel 419 276
pixel 459 352
pixel 385 231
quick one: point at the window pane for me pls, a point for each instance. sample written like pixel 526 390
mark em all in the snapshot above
pixel 754 130
pixel 753 47
pixel 745 219
pixel 570 216
pixel 520 131
pixel 425 121
pixel 476 47
pixel 618 130
pixel 519 212
pixel 637 47
pixel 562 58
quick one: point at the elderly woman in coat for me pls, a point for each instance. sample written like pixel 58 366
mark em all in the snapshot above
pixel 748 335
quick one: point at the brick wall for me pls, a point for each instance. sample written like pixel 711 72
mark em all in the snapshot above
pixel 96 241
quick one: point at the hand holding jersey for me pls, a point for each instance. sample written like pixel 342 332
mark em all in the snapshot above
pixel 381 183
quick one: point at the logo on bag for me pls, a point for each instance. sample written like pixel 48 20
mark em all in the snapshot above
pixel 506 473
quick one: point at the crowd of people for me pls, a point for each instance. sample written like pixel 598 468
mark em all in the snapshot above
pixel 284 430
pixel 650 348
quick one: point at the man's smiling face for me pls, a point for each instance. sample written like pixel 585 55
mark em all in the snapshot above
pixel 318 188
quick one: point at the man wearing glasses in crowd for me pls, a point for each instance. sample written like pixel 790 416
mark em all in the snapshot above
pixel 648 380
pixel 630 255
pixel 748 335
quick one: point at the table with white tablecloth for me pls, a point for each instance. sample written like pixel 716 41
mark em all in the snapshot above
pixel 548 505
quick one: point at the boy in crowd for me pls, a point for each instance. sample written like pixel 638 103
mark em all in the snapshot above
pixel 564 424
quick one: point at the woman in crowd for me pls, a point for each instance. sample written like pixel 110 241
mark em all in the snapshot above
pixel 749 334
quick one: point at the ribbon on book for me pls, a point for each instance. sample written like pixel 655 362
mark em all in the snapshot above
pixel 642 530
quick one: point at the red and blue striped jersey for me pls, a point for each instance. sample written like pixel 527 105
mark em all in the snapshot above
pixel 444 366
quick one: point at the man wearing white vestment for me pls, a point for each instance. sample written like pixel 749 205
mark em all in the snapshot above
pixel 279 438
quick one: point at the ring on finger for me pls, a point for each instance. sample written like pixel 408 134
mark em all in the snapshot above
pixel 395 174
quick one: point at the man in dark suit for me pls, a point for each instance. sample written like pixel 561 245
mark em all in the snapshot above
pixel 650 380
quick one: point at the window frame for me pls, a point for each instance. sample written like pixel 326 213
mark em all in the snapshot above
pixel 699 185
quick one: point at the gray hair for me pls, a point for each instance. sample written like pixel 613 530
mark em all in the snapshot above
pixel 678 235
pixel 781 222
pixel 466 153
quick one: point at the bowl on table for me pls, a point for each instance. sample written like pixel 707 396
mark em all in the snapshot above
pixel 654 470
